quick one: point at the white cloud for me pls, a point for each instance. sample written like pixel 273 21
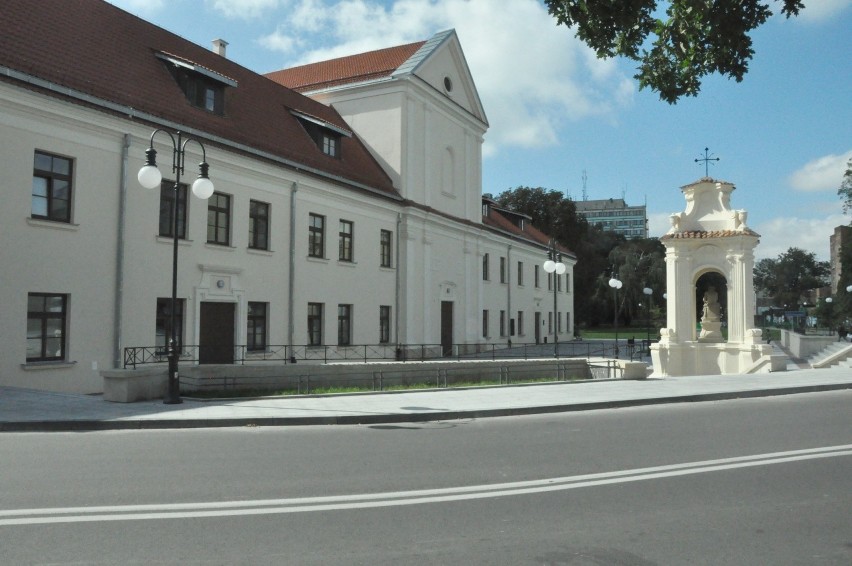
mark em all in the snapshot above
pixel 812 235
pixel 822 174
pixel 819 11
pixel 532 75
pixel 243 9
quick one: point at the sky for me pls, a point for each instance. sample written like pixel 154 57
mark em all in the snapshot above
pixel 562 119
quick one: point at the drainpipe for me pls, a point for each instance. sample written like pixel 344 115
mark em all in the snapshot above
pixel 398 284
pixel 291 292
pixel 119 255
pixel 509 293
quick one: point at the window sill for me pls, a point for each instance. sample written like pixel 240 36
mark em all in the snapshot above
pixel 169 240
pixel 316 259
pixel 258 251
pixel 220 247
pixel 36 366
pixel 55 224
pixel 346 263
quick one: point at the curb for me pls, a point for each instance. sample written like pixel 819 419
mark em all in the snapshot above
pixel 82 425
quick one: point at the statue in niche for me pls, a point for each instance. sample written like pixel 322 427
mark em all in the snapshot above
pixel 711 305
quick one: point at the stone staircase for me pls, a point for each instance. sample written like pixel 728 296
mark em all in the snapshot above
pixel 835 354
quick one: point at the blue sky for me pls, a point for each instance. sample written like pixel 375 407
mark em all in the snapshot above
pixel 783 135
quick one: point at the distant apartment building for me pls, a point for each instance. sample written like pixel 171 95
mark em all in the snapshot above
pixel 615 215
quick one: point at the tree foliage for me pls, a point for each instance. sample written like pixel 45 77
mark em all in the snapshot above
pixel 845 190
pixel 787 278
pixel 696 38
pixel 639 263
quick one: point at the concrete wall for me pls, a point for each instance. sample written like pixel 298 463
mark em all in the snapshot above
pixel 804 346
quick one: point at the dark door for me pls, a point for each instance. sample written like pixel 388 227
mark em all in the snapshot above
pixel 216 336
pixel 538 328
pixel 447 328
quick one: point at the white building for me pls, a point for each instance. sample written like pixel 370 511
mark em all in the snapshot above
pixel 348 216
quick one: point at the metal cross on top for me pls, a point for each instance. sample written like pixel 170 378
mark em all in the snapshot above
pixel 706 159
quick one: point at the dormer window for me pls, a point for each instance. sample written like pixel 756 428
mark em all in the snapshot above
pixel 203 87
pixel 326 135
pixel 330 144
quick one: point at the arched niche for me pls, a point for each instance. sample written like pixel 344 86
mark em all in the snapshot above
pixel 710 306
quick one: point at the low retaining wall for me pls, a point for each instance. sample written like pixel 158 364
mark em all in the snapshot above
pixel 127 386
pixel 803 346
pixel 304 378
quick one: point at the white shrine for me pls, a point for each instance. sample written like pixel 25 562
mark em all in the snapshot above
pixel 709 243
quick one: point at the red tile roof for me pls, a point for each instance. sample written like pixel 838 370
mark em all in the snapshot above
pixel 103 52
pixel 346 70
pixel 497 219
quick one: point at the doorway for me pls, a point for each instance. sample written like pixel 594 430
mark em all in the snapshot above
pixel 538 328
pixel 216 333
pixel 447 328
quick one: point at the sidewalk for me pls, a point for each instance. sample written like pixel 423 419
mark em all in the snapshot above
pixel 27 410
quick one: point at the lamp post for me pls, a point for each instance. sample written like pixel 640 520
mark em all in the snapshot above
pixel 828 301
pixel 648 292
pixel 616 284
pixel 554 265
pixel 150 177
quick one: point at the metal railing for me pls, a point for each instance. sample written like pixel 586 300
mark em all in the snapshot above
pixel 143 355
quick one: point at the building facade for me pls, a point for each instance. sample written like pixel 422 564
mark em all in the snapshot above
pixel 338 219
pixel 615 215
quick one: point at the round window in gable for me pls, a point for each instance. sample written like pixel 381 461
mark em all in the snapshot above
pixel 448 84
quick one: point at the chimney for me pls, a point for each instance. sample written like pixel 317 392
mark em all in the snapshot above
pixel 219 46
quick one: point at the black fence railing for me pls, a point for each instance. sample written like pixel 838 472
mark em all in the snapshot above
pixel 628 349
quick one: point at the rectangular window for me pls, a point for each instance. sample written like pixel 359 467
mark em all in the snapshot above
pixel 257 325
pixel 502 323
pixel 567 283
pixel 51 195
pixel 164 324
pixel 559 322
pixel 258 225
pixel 485 324
pixel 314 324
pixel 559 283
pixel 316 236
pixel 550 282
pixel 485 267
pixel 167 201
pixel 385 239
pixel 344 325
pixel 384 324
pixel 537 280
pixel 219 219
pixel 329 144
pixel 550 322
pixel 520 273
pixel 346 234
pixel 502 269
pixel 520 323
pixel 46 326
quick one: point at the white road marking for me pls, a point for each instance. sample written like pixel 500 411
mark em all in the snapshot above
pixel 399 498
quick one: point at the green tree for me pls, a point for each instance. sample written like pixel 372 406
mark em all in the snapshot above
pixel 845 190
pixel 787 278
pixel 638 263
pixel 696 37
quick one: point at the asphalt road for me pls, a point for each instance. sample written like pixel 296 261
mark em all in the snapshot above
pixel 753 481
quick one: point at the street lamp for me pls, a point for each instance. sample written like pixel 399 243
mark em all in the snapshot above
pixel 648 292
pixel 828 301
pixel 554 265
pixel 616 284
pixel 150 177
